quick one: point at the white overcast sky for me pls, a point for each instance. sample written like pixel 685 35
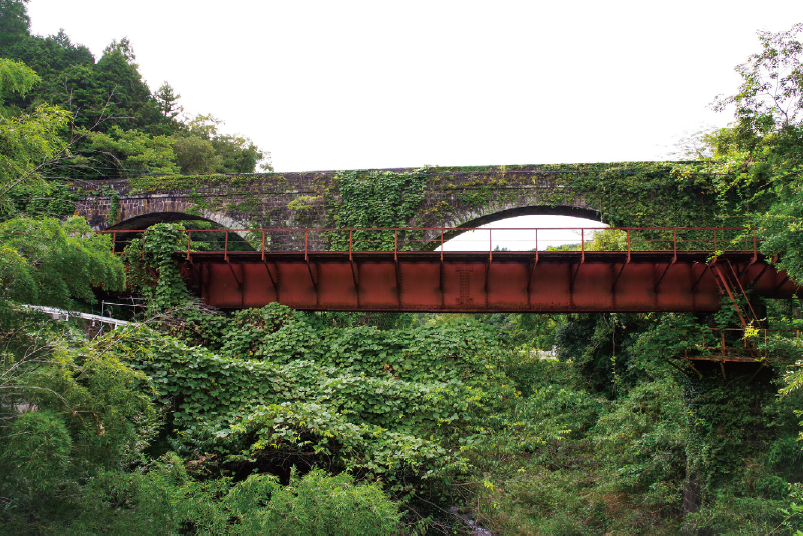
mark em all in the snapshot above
pixel 376 84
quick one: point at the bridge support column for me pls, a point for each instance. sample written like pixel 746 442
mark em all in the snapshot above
pixel 724 428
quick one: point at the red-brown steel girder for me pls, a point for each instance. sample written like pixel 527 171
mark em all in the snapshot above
pixel 545 281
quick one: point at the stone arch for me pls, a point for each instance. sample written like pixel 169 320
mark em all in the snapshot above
pixel 489 214
pixel 143 210
pixel 537 210
pixel 143 221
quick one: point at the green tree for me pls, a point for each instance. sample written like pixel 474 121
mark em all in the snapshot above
pixel 49 57
pixel 121 152
pixel 764 145
pixel 15 77
pixel 52 263
pixel 167 103
pixel 126 95
pixel 68 412
pixel 201 148
pixel 322 504
pixel 14 21
pixel 196 155
pixel 30 143
pixel 770 97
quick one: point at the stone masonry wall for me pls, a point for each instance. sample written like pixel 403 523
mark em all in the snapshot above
pixel 454 197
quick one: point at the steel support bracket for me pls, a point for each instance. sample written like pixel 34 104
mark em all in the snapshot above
pixel 760 274
pixel 621 270
pixel 487 275
pixel 311 276
pixel 270 275
pixel 707 267
pixel 440 277
pixel 354 275
pixel 782 283
pixel 724 285
pixel 398 279
pixel 574 276
pixel 532 273
pixel 660 279
pixel 233 273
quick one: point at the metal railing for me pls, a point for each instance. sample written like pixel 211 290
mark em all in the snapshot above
pixel 580 239
pixel 735 344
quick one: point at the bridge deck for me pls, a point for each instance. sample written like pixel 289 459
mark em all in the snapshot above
pixel 499 281
pixel 651 269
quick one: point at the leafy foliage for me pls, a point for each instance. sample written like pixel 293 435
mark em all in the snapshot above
pixel 117 126
pixel 165 500
pixel 130 151
pixel 201 148
pixel 67 412
pixel 52 263
pixel 771 93
pixel 152 255
pixel 382 199
pixel 323 504
pixel 28 142
pixel 16 77
pixel 367 407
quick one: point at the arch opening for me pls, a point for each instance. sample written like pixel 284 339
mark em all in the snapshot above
pixel 211 235
pixel 529 232
pixel 536 210
pixel 516 216
pixel 143 221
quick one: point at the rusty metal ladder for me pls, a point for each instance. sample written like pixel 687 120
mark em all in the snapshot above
pixel 729 285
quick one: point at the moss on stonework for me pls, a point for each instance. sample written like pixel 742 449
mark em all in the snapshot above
pixel 625 193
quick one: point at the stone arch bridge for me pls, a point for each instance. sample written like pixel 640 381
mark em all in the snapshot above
pixel 453 197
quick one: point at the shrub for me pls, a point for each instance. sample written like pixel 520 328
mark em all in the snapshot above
pixel 322 504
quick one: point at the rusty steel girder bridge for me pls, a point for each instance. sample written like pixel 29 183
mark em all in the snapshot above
pixel 611 270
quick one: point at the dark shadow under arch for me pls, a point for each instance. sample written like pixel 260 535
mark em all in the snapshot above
pixel 147 220
pixel 235 240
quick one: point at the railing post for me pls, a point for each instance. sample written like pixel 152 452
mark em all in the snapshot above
pixel 675 243
pixel 350 236
pixel 226 248
pixel 395 244
pixel 490 244
pixel 189 239
pixel 263 244
pixel 755 245
pixel 715 240
pixel 583 245
pixel 306 244
pixel 114 240
pixel 441 245
pixel 628 245
pixel 536 242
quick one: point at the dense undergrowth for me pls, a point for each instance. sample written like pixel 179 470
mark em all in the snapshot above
pixel 278 421
pixel 324 423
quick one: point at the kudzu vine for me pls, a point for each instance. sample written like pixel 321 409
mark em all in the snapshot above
pixel 372 199
pixel 152 268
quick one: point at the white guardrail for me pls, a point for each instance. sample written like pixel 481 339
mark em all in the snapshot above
pixel 61 314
